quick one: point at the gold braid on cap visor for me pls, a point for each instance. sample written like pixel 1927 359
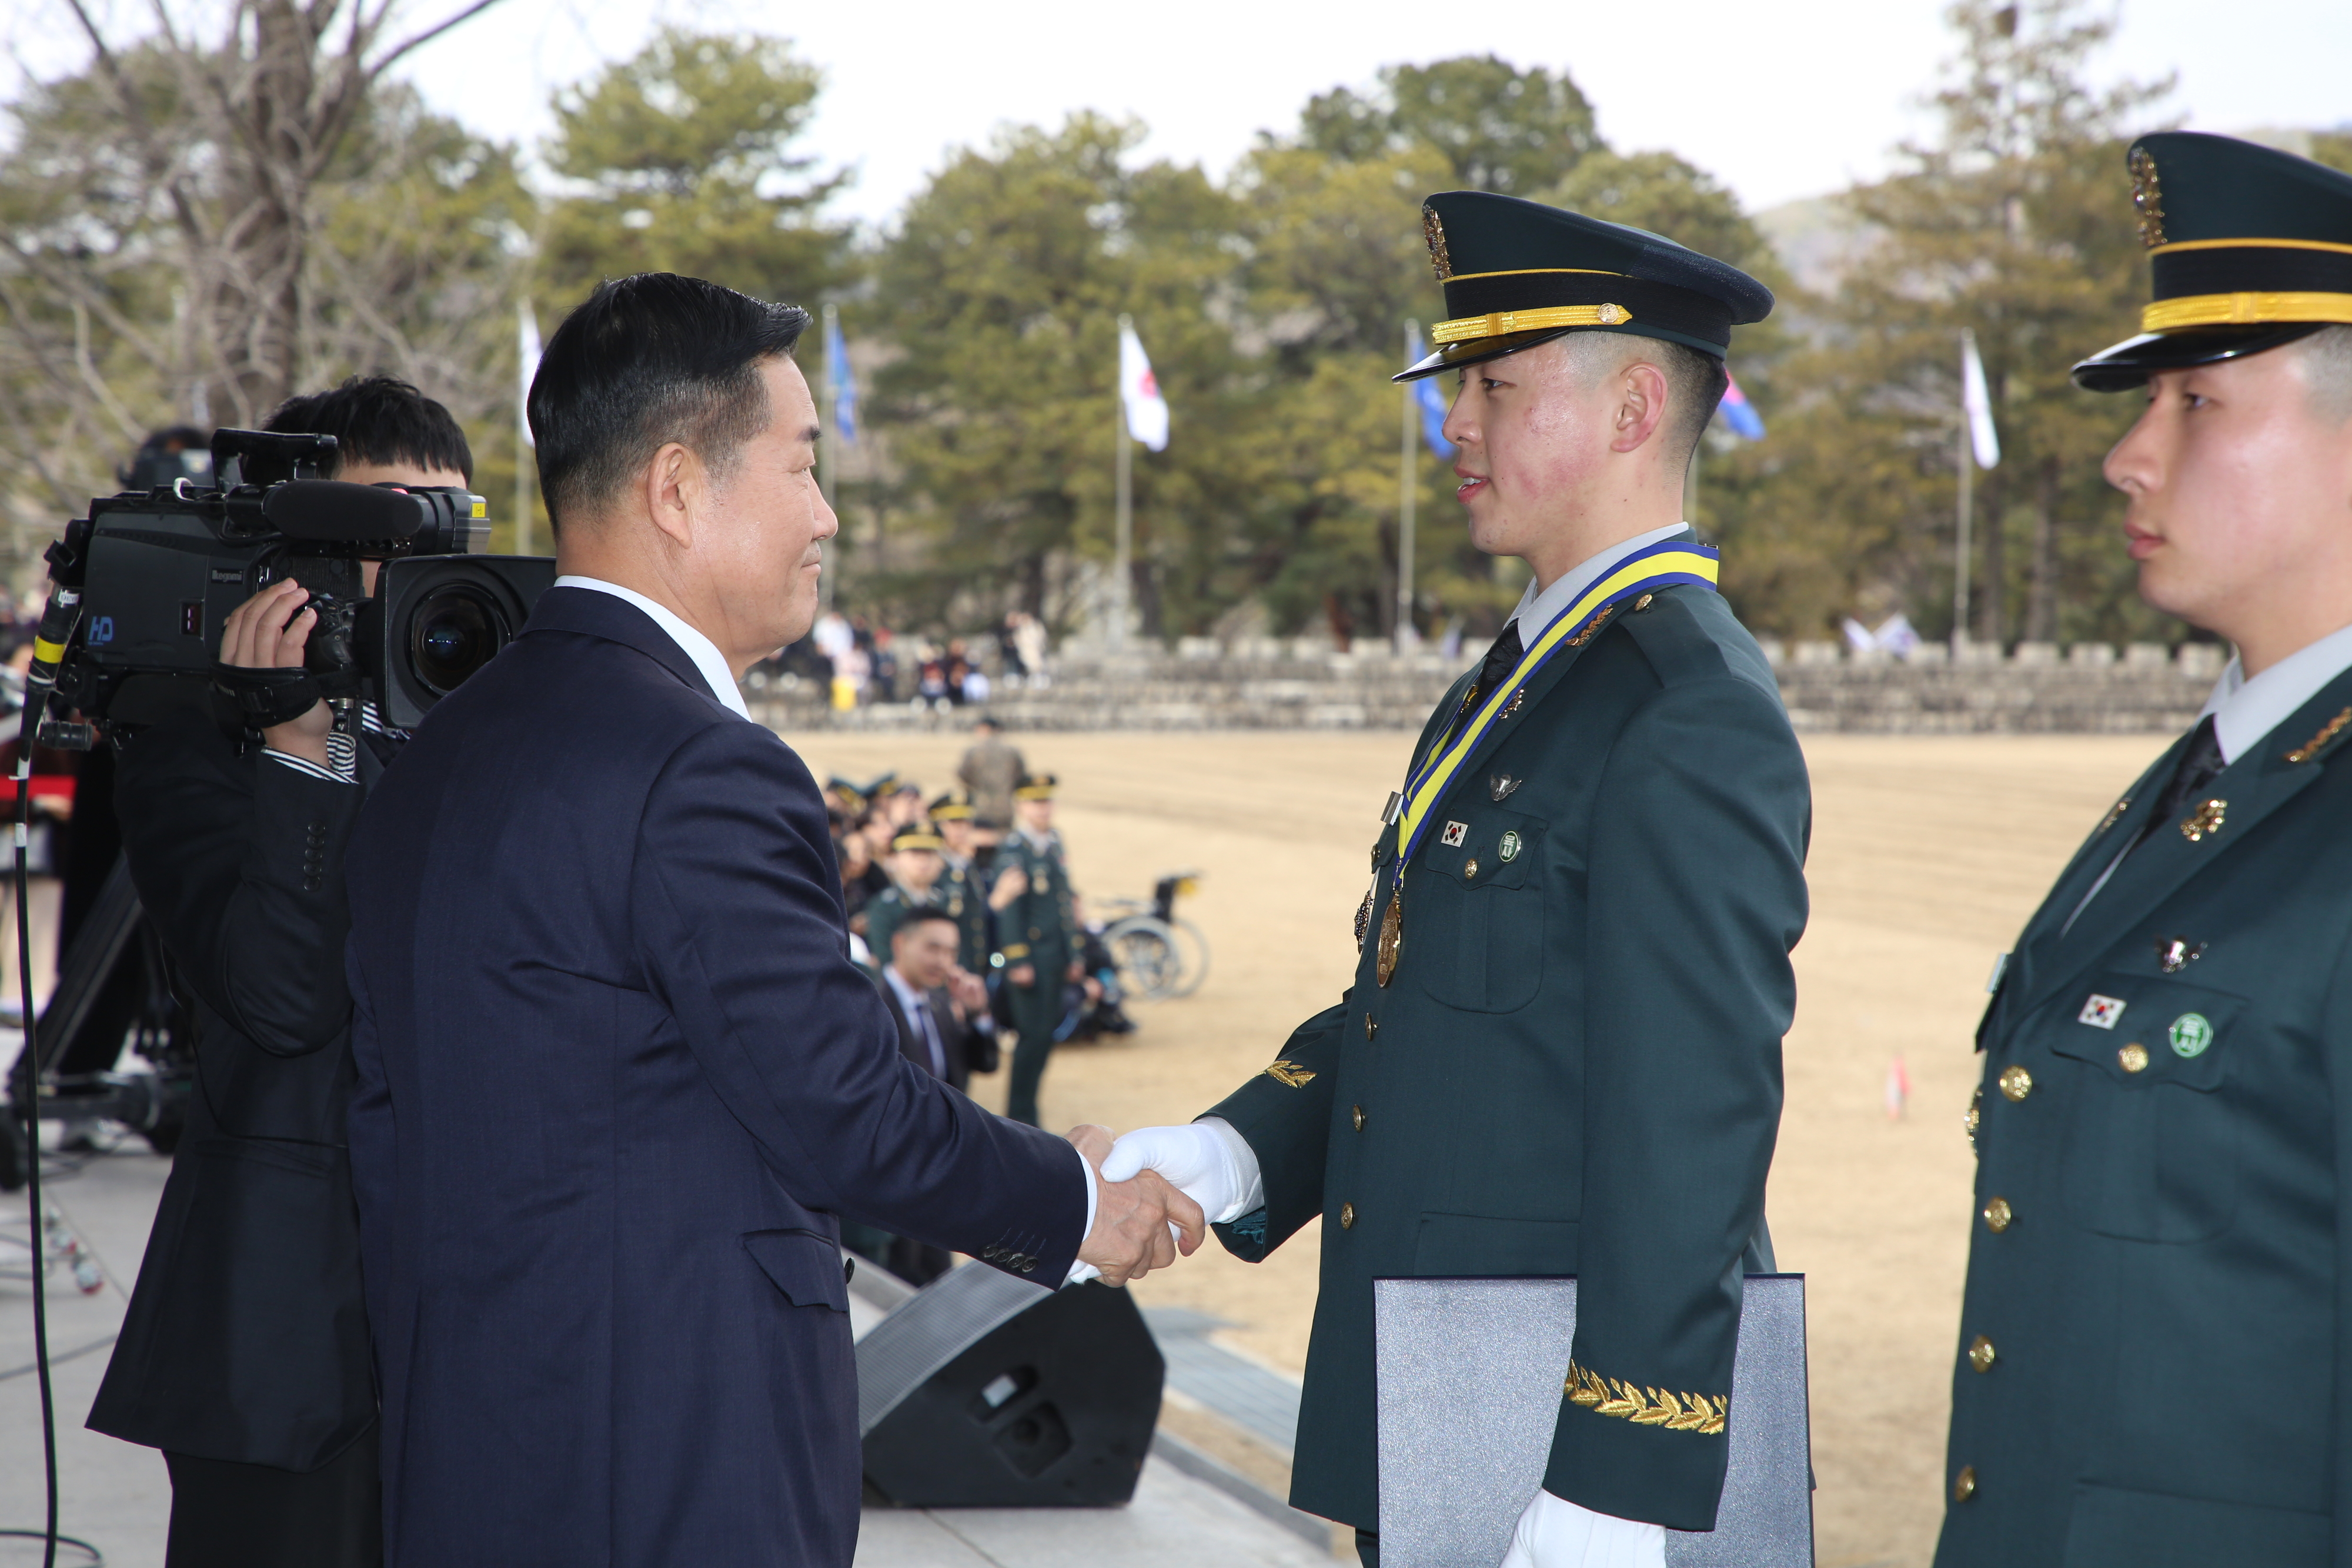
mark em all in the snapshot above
pixel 1500 323
pixel 2240 310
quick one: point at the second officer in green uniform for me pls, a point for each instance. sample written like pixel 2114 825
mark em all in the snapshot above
pixel 1038 942
pixel 2154 1367
pixel 1560 1054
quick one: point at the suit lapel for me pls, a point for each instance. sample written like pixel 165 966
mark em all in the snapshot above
pixel 2249 791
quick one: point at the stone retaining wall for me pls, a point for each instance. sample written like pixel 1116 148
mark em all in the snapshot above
pixel 2088 688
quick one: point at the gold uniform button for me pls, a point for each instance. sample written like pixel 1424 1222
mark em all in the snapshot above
pixel 1470 870
pixel 1998 1215
pixel 1360 1118
pixel 2134 1057
pixel 1347 1217
pixel 1964 1485
pixel 1643 602
pixel 1981 1355
pixel 2016 1083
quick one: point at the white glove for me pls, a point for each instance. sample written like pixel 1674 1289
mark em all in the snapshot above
pixel 1208 1161
pixel 1556 1533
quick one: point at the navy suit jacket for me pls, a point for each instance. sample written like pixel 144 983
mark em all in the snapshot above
pixel 617 1079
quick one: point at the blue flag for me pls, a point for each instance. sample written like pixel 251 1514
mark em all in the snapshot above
pixel 839 384
pixel 1740 416
pixel 1433 408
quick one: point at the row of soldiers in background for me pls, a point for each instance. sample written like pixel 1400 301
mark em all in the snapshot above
pixel 972 929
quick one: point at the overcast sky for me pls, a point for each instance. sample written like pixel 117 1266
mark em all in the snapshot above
pixel 1780 100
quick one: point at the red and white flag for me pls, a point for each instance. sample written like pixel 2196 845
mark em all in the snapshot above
pixel 1139 389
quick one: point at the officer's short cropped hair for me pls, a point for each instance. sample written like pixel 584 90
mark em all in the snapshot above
pixel 380 419
pixel 1696 382
pixel 643 362
pixel 929 912
pixel 2327 367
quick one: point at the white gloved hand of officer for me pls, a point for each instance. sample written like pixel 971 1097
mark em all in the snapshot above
pixel 1213 1164
pixel 1556 1533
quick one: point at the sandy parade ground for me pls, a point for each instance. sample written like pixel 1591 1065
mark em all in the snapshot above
pixel 1928 854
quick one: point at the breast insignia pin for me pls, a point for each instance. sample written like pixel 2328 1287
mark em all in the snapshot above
pixel 2174 954
pixel 2190 1033
pixel 2102 1012
pixel 1453 835
pixel 1500 786
pixel 2204 822
pixel 1508 849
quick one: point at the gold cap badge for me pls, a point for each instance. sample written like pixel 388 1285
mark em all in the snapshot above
pixel 1434 230
pixel 2147 198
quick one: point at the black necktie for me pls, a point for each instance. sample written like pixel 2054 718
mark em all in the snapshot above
pixel 2199 766
pixel 1501 659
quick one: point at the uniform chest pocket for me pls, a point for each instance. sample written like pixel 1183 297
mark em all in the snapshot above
pixel 2151 1150
pixel 1476 939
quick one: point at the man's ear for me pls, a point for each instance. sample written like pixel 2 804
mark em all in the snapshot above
pixel 676 491
pixel 1641 406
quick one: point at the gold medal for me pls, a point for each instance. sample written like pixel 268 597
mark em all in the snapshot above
pixel 1392 934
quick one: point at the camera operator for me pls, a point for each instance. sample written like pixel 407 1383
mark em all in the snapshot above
pixel 245 1355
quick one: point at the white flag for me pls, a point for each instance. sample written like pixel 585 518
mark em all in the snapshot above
pixel 1978 402
pixel 1147 411
pixel 526 342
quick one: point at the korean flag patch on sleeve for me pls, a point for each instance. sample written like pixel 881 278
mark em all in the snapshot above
pixel 2101 1012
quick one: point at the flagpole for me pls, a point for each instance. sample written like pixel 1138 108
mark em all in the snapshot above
pixel 1408 483
pixel 1968 479
pixel 1121 572
pixel 523 456
pixel 824 450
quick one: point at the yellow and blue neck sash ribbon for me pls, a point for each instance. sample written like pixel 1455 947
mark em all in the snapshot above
pixel 1671 564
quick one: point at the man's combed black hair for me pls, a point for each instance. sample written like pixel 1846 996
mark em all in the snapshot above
pixel 643 362
pixel 378 419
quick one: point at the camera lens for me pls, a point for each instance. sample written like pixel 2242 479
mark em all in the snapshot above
pixel 456 630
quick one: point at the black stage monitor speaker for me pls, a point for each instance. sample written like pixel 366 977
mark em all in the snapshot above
pixel 986 1391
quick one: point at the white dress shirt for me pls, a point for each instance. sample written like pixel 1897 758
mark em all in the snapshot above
pixel 705 654
pixel 2246 710
pixel 693 644
pixel 1537 609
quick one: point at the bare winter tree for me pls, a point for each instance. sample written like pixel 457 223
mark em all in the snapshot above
pixel 194 226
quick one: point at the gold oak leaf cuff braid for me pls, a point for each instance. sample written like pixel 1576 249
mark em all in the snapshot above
pixel 1701 1412
pixel 1290 1074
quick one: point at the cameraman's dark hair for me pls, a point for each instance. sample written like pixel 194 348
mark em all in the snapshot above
pixel 379 419
pixel 643 362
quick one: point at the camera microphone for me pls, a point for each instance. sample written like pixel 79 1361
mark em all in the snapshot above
pixel 329 511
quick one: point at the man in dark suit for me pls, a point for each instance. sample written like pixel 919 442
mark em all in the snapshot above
pixel 1561 1052
pixel 934 1033
pixel 244 1355
pixel 2154 1363
pixel 619 1078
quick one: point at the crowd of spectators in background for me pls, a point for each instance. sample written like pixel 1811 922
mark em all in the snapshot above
pixel 861 660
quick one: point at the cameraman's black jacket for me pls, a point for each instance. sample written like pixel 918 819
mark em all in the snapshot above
pixel 246 1337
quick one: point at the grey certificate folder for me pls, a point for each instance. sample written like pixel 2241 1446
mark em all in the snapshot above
pixel 1471 1373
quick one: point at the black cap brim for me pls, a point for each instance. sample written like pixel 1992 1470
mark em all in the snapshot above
pixel 1478 350
pixel 2129 363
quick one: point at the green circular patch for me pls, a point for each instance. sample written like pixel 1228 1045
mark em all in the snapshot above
pixel 1509 848
pixel 2191 1034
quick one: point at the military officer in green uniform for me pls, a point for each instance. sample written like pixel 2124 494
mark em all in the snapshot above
pixel 960 892
pixel 2154 1364
pixel 915 866
pixel 1561 1052
pixel 1037 937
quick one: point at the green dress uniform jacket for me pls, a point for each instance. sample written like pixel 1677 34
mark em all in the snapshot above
pixel 1038 928
pixel 2156 1331
pixel 966 901
pixel 1575 1067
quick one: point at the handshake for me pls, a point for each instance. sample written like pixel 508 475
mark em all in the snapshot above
pixel 1157 1190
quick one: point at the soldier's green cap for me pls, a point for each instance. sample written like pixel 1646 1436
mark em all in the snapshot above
pixel 950 808
pixel 849 790
pixel 1517 273
pixel 1035 787
pixel 2249 248
pixel 914 838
